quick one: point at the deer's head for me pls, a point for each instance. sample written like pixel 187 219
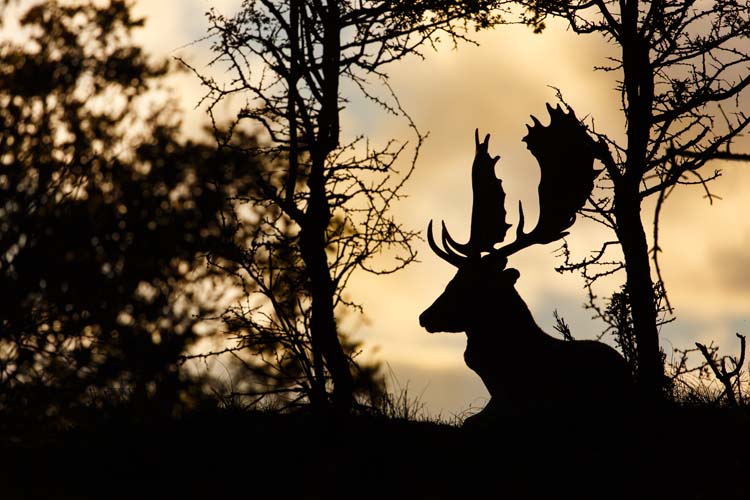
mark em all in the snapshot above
pixel 483 283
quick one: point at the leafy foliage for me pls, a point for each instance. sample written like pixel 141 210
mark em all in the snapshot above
pixel 104 216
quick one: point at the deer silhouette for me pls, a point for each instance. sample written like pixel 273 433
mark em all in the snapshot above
pixel 526 371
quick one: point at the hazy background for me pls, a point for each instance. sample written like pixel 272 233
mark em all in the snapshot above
pixel 496 87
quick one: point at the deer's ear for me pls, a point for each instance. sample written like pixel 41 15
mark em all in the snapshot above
pixel 511 275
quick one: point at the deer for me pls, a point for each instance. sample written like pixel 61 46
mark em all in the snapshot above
pixel 526 371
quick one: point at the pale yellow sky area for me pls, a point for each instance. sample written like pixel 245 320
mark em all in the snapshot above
pixel 495 87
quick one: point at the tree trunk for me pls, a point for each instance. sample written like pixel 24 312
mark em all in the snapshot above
pixel 323 321
pixel 324 332
pixel 639 93
pixel 327 350
pixel 640 290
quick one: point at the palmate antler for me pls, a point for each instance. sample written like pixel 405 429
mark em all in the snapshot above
pixel 488 224
pixel 565 153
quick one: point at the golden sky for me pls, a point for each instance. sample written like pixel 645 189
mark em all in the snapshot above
pixel 496 87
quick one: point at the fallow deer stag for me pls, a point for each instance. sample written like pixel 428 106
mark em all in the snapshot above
pixel 525 370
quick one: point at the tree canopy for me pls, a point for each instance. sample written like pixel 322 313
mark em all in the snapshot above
pixel 104 218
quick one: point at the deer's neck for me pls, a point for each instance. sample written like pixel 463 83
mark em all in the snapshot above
pixel 514 328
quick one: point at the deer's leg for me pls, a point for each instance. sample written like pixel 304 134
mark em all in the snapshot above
pixel 492 415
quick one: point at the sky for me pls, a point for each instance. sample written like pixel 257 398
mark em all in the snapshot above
pixel 495 87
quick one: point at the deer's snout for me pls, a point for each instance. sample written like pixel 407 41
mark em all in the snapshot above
pixel 442 317
pixel 425 322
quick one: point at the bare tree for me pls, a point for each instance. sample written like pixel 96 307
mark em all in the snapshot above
pixel 333 200
pixel 682 67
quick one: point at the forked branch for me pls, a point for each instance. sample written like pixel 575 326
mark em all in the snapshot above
pixel 726 377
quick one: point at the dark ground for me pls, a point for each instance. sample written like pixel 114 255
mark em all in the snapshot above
pixel 684 454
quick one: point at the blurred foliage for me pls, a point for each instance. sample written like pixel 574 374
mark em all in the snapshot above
pixel 104 214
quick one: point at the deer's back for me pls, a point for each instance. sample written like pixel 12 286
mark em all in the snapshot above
pixel 593 370
pixel 579 375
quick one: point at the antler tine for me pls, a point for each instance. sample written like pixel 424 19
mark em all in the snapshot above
pixel 520 235
pixel 449 243
pixel 448 254
pixel 525 240
pixel 484 144
pixel 522 239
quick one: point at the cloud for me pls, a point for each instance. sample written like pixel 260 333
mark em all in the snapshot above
pixel 706 247
pixel 176 28
pixel 733 267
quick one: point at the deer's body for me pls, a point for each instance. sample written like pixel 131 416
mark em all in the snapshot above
pixel 580 376
pixel 525 370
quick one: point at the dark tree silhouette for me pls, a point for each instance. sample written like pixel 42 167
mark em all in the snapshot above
pixel 289 59
pixel 103 219
pixel 270 361
pixel 682 71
